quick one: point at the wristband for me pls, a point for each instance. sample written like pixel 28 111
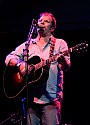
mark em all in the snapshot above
pixel 18 64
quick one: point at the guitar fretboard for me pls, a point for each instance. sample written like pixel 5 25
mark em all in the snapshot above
pixel 78 47
pixel 51 59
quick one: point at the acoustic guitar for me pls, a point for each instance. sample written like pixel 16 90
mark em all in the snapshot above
pixel 14 81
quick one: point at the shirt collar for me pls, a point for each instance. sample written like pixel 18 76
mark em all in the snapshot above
pixel 34 41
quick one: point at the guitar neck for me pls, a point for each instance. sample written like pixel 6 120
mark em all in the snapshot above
pixel 45 62
pixel 77 48
pixel 51 59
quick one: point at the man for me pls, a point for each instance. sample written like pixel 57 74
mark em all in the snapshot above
pixel 45 93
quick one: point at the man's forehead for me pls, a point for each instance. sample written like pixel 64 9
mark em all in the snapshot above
pixel 46 17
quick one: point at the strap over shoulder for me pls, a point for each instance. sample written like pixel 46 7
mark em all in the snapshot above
pixel 53 40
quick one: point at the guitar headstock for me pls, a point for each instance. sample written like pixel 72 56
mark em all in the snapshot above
pixel 82 47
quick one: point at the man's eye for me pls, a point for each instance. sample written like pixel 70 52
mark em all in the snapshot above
pixel 47 21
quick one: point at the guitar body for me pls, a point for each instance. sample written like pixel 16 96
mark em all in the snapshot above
pixel 14 82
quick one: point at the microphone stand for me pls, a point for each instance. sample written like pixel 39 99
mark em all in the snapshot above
pixel 25 55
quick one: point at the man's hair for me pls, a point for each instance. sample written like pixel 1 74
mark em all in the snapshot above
pixel 52 16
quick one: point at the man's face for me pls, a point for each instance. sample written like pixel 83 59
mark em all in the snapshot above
pixel 45 22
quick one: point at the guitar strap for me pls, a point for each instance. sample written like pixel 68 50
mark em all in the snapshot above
pixel 53 40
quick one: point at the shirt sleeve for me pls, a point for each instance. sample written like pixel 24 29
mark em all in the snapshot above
pixel 64 48
pixel 16 54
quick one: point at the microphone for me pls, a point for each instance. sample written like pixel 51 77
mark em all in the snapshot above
pixel 36 25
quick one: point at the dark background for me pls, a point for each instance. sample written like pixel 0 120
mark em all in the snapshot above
pixel 73 25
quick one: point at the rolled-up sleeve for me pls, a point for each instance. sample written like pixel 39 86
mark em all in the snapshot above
pixel 16 54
